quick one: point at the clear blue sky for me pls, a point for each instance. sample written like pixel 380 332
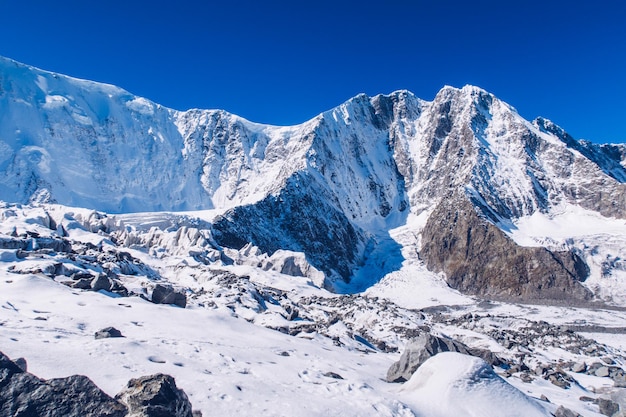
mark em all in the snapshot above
pixel 283 62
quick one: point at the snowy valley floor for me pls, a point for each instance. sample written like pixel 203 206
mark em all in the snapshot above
pixel 258 342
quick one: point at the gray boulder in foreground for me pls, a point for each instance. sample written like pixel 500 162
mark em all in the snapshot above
pixel 155 396
pixel 425 346
pixel 23 394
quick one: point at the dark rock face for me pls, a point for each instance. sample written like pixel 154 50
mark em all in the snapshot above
pixel 426 346
pixel 155 396
pixel 23 394
pixel 479 259
pixel 165 294
pixel 296 220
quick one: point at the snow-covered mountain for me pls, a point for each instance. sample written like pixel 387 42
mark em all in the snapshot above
pixel 308 257
pixel 331 188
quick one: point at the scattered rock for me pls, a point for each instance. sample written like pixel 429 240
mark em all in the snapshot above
pixel 155 396
pixel 333 375
pixel 108 332
pixel 165 294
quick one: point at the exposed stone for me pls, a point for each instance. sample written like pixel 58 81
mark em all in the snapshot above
pixel 478 258
pixel 155 396
pixel 165 294
pixel 333 375
pixel 108 332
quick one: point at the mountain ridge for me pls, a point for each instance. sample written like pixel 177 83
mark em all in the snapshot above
pixel 332 187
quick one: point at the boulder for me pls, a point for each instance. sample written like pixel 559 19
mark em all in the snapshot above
pixel 607 407
pixel 425 346
pixel 108 332
pixel 602 371
pixel 165 294
pixel 155 396
pixel 23 394
pixel 101 282
pixel 579 367
pixel 565 412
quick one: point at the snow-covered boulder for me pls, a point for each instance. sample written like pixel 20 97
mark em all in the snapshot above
pixel 452 384
pixel 426 346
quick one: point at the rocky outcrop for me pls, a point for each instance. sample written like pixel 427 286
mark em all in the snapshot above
pixel 479 259
pixel 426 346
pixel 23 394
pixel 155 396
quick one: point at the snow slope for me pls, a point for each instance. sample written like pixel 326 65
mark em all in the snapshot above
pixel 254 223
pixel 259 337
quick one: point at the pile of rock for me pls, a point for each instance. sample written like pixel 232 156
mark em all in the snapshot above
pixel 22 393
